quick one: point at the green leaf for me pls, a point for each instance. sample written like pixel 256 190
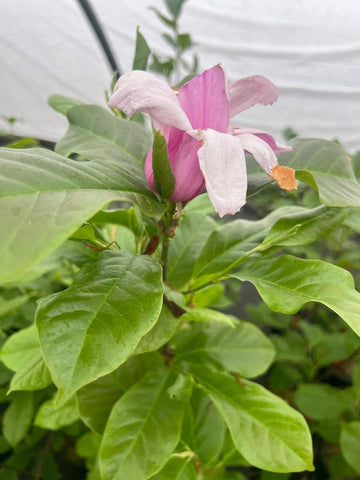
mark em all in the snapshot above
pixel 200 204
pixel 21 353
pixel 96 399
pixel 177 468
pixel 92 327
pixel 87 231
pixel 320 401
pixel 160 333
pixel 23 143
pixel 283 377
pixel 87 445
pixel 96 134
pixel 44 198
pixel 339 468
pixel 184 40
pixel 312 224
pixel 265 429
pixel 8 306
pixel 63 104
pixel 174 7
pixel 142 52
pixel 353 220
pixel 333 347
pixel 209 429
pixel 129 218
pixel 355 374
pixel 326 167
pixel 18 417
pixel 7 474
pixel 328 429
pixel 143 429
pixel 52 418
pixel 232 240
pixel 169 39
pixel 165 20
pixel 185 247
pixel 164 68
pixel 208 315
pixel 290 347
pixel 286 283
pixel 181 389
pixel 210 295
pixel 242 348
pixel 350 443
pixel 163 177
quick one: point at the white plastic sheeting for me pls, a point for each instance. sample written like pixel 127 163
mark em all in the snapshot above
pixel 309 49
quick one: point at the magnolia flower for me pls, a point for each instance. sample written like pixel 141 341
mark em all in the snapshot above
pixel 205 151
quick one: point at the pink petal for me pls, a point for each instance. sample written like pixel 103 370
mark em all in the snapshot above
pixel 246 92
pixel 222 162
pixel 205 101
pixel 189 181
pixel 260 150
pixel 269 139
pixel 185 166
pixel 140 91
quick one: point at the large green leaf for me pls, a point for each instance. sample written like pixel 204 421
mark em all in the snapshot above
pixel 44 198
pixel 284 226
pixel 265 429
pixel 96 134
pixel 21 353
pixel 326 167
pixel 242 348
pixel 143 429
pixel 185 246
pixel 92 327
pixel 96 399
pixel 286 283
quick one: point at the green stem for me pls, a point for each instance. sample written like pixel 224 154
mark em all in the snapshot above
pixel 167 227
pixel 165 253
pixel 265 245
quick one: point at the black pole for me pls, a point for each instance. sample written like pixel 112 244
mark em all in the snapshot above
pixel 90 14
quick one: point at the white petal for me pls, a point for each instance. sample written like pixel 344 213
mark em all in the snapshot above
pixel 260 150
pixel 140 91
pixel 222 162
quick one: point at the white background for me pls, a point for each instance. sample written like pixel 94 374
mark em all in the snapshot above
pixel 309 49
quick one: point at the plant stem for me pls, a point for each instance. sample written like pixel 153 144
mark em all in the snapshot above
pixel 167 224
pixel 164 254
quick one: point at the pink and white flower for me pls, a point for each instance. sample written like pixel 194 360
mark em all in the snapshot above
pixel 205 150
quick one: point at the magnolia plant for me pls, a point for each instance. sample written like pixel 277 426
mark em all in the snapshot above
pixel 205 150
pixel 118 273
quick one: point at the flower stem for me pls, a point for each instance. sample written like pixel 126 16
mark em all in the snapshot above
pixel 167 224
pixel 164 254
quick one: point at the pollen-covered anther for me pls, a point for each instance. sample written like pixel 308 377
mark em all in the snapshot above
pixel 284 177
